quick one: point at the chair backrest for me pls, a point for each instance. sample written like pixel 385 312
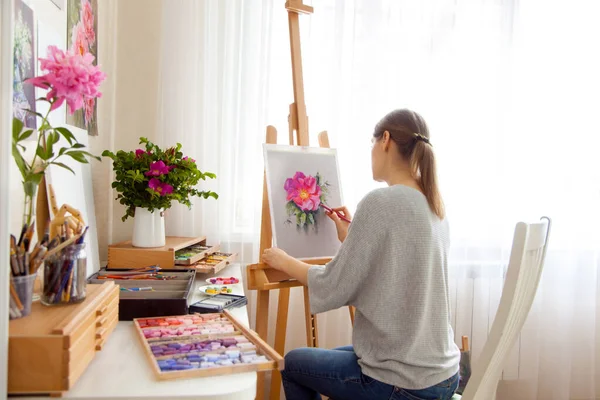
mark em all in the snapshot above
pixel 520 286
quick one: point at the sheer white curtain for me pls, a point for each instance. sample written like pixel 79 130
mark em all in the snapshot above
pixel 510 91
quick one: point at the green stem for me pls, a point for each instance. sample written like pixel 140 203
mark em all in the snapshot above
pixel 42 134
pixel 30 212
pixel 27 214
pixel 29 207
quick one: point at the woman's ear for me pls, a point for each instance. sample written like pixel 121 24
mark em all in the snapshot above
pixel 386 139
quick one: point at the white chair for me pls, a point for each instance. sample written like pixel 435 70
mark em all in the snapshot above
pixel 522 278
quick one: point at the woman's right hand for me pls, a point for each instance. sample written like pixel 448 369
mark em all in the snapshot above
pixel 340 224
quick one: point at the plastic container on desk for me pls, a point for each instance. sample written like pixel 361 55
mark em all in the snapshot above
pixel 65 276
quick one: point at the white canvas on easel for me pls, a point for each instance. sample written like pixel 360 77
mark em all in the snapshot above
pixel 76 191
pixel 312 235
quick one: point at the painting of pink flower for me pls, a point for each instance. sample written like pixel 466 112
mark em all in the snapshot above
pixel 88 107
pixel 140 152
pixel 157 168
pixel 304 191
pixel 82 22
pixel 70 77
pixel 79 39
pixel 159 187
pixel 87 17
pixel 186 158
pixel 304 195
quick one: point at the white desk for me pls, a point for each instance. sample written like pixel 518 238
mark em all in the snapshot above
pixel 121 370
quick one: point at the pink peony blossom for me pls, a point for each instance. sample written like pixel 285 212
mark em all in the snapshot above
pixel 159 187
pixel 87 17
pixel 79 41
pixel 157 168
pixel 71 77
pixel 304 191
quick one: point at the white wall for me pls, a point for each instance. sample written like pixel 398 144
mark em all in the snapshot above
pixel 128 53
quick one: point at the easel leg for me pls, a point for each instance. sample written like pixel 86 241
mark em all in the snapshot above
pixel 262 325
pixel 312 333
pixel 352 311
pixel 280 334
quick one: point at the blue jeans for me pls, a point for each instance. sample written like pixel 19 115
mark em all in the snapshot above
pixel 310 372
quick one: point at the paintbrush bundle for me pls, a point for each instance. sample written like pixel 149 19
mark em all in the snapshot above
pixel 24 263
pixel 65 269
pixel 65 275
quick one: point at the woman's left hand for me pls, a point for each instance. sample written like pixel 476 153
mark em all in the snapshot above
pixel 276 258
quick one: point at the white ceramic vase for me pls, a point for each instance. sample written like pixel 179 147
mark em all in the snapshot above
pixel 148 228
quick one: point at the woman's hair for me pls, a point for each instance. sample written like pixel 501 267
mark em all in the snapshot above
pixel 411 135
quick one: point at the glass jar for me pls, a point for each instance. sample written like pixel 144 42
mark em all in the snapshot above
pixel 65 276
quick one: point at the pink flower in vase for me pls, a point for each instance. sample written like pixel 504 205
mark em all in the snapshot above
pixel 304 191
pixel 139 152
pixel 157 168
pixel 159 187
pixel 87 17
pixel 188 159
pixel 70 76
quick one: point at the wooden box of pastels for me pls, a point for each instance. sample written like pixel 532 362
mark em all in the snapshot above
pixel 177 253
pixel 151 293
pixel 203 345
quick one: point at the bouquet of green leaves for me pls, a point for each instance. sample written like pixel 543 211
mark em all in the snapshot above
pixel 151 178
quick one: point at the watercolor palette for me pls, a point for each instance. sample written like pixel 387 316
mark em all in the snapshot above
pixel 213 290
pixel 199 345
pixel 223 280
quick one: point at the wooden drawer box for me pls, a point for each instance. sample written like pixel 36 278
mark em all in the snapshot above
pixel 124 256
pixel 50 349
pixel 168 297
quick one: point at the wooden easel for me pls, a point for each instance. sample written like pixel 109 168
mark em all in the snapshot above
pixel 259 276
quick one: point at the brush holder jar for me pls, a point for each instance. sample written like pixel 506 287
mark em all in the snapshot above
pixel 65 276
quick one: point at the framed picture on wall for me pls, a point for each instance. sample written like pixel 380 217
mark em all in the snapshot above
pixel 24 55
pixel 82 29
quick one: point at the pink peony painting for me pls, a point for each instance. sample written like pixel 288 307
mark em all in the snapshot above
pixel 300 181
pixel 304 195
pixel 82 24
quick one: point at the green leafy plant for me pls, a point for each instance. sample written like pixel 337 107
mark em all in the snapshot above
pixel 152 178
pixel 45 155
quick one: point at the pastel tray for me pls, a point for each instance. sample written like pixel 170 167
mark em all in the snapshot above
pixel 198 345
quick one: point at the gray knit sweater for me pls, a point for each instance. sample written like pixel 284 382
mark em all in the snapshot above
pixel 393 267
